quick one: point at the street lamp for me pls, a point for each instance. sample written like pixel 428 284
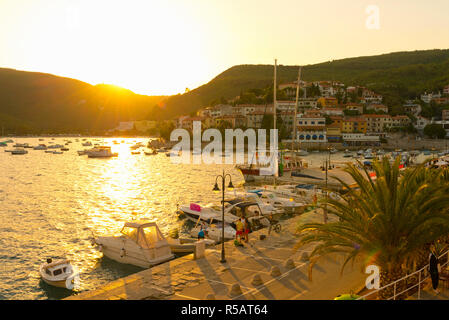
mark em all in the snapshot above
pixel 216 189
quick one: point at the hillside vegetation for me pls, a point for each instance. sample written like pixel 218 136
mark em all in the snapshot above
pixel 37 102
pixel 397 76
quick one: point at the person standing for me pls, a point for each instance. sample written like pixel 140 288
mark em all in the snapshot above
pixel 433 269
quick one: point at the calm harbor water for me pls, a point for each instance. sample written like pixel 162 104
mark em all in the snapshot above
pixel 52 203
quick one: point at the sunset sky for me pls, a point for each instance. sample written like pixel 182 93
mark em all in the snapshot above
pixel 163 47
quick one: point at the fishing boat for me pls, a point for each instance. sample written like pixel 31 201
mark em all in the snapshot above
pixel 140 243
pixel 59 273
pixel 101 152
pixel 187 245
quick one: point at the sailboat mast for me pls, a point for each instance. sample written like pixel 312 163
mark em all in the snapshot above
pixel 296 109
pixel 274 120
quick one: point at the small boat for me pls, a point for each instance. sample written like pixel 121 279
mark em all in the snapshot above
pixel 82 152
pixel 87 144
pixel 141 243
pixel 151 153
pixel 18 151
pixel 40 147
pixel 59 273
pixel 187 245
pixel 101 152
pixel 135 152
pixel 55 146
pixel 20 145
pixel 57 152
pixel 64 149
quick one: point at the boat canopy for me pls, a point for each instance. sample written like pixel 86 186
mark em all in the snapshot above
pixel 145 234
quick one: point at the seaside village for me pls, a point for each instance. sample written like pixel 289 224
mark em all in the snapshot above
pixel 352 116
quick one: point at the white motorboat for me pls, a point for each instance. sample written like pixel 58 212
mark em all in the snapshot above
pixel 265 207
pixel 18 151
pixel 214 232
pixel 59 273
pixel 288 205
pixel 140 243
pixel 101 152
pixel 210 213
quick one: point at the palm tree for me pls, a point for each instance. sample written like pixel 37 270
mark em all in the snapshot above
pixel 386 221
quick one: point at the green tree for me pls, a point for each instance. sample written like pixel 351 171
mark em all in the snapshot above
pixel 386 221
pixel 435 131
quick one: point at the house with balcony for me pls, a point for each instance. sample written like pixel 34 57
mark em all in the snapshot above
pixel 311 129
pixel 354 125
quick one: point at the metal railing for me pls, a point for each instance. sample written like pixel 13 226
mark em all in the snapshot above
pixel 421 279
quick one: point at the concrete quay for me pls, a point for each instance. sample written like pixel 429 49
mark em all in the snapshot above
pixel 262 269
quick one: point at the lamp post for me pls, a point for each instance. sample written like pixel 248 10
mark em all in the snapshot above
pixel 217 189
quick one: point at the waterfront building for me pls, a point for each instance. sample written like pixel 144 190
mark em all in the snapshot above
pixel 333 132
pixel 354 125
pixel 311 128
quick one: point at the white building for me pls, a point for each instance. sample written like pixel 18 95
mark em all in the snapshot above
pixel 421 123
pixel 446 90
pixel 427 97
